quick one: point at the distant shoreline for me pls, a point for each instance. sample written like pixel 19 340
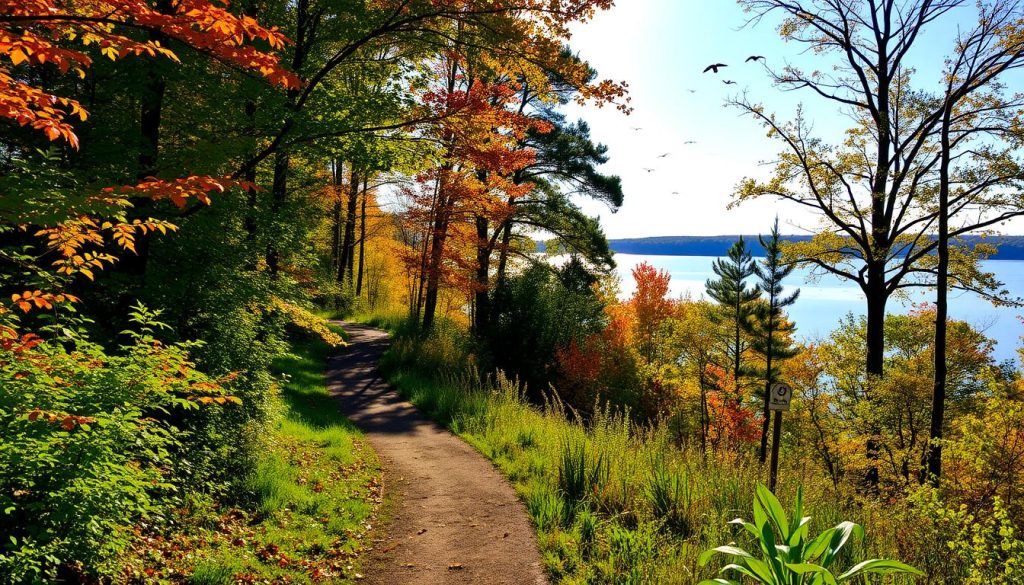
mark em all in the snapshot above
pixel 1010 247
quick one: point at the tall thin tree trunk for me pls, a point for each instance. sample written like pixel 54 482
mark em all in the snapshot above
pixel 151 114
pixel 875 359
pixel 348 242
pixel 250 176
pixel 362 238
pixel 435 263
pixel 282 159
pixel 336 214
pixel 482 300
pixel 763 453
pixel 934 451
pixel 278 194
pixel 500 273
pixel 737 364
pixel 249 223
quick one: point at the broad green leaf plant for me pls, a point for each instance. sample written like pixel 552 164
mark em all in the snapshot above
pixel 789 556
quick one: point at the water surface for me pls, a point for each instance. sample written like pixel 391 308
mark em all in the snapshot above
pixel 825 300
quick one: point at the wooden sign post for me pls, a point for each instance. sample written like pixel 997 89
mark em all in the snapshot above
pixel 778 402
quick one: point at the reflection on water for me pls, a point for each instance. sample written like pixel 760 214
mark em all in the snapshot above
pixel 827 298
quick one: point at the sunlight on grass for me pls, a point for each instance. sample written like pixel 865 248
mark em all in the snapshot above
pixel 311 499
pixel 613 502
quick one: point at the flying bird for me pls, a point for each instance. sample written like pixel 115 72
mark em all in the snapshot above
pixel 754 58
pixel 675 192
pixel 664 155
pixel 692 90
pixel 714 67
pixel 648 170
pixel 728 82
pixel 637 128
pixel 690 142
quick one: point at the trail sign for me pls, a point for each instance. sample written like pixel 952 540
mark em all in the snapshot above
pixel 781 394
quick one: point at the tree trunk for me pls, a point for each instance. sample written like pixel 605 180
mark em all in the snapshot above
pixel 250 176
pixel 151 113
pixel 875 335
pixel 435 261
pixel 941 309
pixel 875 358
pixel 278 194
pixel 763 453
pixel 482 299
pixel 362 239
pixel 336 215
pixel 348 242
pixel 282 159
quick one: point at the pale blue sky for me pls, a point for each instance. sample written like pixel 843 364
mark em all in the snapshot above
pixel 660 47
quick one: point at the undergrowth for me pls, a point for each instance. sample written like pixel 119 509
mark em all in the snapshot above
pixel 613 502
pixel 306 509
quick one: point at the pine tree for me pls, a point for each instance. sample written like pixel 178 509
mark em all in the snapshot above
pixel 736 302
pixel 773 331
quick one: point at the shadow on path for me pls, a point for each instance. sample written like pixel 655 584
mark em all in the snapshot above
pixel 457 520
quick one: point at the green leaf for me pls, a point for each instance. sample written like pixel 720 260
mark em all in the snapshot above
pixel 718 581
pixel 798 513
pixel 774 510
pixel 767 540
pixel 799 530
pixel 740 569
pixel 843 530
pixel 817 546
pixel 805 568
pixel 762 570
pixel 746 525
pixel 725 550
pixel 880 567
pixel 760 518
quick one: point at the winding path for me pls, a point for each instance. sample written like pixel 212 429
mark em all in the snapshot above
pixel 456 519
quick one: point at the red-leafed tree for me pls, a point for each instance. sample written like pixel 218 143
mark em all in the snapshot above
pixel 65 37
pixel 650 306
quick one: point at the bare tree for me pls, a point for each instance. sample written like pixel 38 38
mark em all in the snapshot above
pixel 877 190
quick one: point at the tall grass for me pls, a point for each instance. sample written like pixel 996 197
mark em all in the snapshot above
pixel 309 504
pixel 613 502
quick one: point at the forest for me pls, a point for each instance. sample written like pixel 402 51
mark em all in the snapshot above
pixel 196 194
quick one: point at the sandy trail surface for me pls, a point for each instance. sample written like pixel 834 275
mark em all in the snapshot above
pixel 456 519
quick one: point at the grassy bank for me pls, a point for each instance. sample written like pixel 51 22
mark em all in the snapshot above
pixel 310 503
pixel 614 502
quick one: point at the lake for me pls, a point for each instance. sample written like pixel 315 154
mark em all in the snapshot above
pixel 828 298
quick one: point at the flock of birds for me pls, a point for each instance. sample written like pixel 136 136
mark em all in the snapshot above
pixel 714 67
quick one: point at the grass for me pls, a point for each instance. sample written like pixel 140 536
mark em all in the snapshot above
pixel 313 498
pixel 612 502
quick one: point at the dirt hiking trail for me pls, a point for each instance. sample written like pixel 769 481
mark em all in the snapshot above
pixel 456 520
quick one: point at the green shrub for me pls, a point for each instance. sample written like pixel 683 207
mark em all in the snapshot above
pixel 547 509
pixel 789 555
pixel 88 444
pixel 670 495
pixel 581 473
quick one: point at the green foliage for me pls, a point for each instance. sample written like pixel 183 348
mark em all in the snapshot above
pixel 773 332
pixel 539 312
pixel 90 442
pixel 789 555
pixel 301 514
pixel 736 308
pixel 580 473
pixel 670 496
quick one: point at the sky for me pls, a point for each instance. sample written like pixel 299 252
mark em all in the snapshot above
pixel 660 47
